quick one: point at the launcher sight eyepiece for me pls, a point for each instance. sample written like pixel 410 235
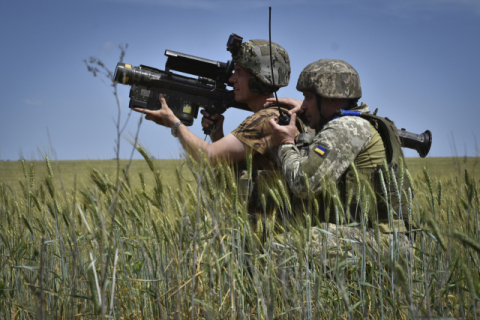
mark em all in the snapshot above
pixel 420 142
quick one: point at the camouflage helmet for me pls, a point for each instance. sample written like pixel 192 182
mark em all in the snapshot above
pixel 330 78
pixel 255 56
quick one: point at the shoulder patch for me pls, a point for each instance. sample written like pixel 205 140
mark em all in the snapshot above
pixel 321 150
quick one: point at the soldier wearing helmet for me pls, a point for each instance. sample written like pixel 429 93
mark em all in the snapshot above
pixel 349 143
pixel 254 55
pixel 252 83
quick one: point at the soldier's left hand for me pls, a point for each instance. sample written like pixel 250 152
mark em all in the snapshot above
pixel 163 116
pixel 283 134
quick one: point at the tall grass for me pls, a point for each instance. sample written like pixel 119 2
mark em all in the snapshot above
pixel 189 249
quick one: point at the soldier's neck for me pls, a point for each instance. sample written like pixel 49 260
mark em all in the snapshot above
pixel 257 103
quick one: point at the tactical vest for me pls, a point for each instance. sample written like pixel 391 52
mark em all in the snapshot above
pixel 394 199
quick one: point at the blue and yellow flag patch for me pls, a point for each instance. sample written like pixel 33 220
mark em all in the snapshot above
pixel 320 150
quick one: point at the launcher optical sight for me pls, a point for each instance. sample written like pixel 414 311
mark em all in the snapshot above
pixel 184 95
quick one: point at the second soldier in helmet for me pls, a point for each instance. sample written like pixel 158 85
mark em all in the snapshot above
pixel 350 146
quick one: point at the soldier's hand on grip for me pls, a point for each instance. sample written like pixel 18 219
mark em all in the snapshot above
pixel 215 120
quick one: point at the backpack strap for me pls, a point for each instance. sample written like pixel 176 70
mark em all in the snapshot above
pixel 386 128
pixel 389 133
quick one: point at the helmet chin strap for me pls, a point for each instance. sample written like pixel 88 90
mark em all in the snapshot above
pixel 323 121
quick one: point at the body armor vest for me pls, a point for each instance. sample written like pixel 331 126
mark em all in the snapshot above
pixel 390 195
pixel 384 147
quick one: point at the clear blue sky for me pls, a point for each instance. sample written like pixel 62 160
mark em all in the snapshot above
pixel 418 63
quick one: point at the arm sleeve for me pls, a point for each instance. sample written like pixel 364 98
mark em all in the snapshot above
pixel 330 154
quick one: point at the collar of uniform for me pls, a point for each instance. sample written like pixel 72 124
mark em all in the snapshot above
pixel 363 107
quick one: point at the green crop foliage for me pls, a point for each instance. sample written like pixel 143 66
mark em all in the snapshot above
pixel 172 239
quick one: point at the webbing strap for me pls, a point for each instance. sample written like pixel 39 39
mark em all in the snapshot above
pixel 349 113
pixel 386 128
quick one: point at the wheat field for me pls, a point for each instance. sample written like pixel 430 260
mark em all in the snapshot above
pixel 172 239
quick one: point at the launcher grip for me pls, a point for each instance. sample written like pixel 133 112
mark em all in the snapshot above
pixel 208 130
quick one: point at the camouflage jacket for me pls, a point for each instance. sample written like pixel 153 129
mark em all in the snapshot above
pixel 255 132
pixel 331 152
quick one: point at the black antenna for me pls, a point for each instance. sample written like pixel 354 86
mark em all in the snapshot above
pixel 283 120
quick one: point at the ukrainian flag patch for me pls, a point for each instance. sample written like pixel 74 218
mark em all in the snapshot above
pixel 320 150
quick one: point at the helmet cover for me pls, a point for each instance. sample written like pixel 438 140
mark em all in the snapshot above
pixel 330 78
pixel 255 56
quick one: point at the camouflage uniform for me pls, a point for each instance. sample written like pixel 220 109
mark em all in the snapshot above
pixel 343 139
pixel 330 241
pixel 255 131
pixel 341 142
